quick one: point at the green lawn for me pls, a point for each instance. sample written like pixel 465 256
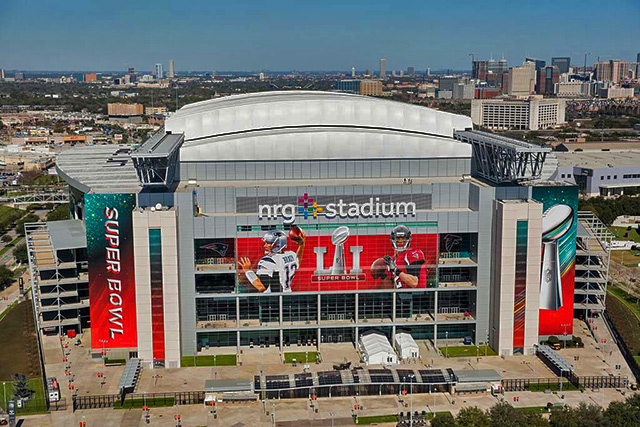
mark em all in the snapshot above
pixel 392 418
pixel 566 386
pixel 628 300
pixel 217 360
pixel 8 216
pixel 36 404
pixel 301 357
pixel 377 419
pixel 11 245
pixel 620 232
pixel 536 409
pixel 19 345
pixel 626 258
pixel 467 351
pixel 156 402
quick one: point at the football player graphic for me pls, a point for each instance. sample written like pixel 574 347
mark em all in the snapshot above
pixel 277 267
pixel 406 268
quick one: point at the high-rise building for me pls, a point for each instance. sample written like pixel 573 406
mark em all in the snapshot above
pixel 480 70
pixel 638 57
pixel 90 77
pixel 361 87
pixel 612 71
pixel 2 74
pixel 159 71
pixel 353 72
pixel 521 114
pixel 547 78
pixel 410 71
pixel 562 62
pixel 539 63
pixel 19 76
pixel 383 68
pixel 172 72
pixel 522 80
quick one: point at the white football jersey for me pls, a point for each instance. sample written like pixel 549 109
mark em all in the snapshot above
pixel 276 271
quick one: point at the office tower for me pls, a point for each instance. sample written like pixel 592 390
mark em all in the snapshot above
pixel 562 62
pixel 353 72
pixel 19 76
pixel 2 74
pixel 638 57
pixel 522 80
pixel 547 78
pixel 521 114
pixel 383 68
pixel 410 71
pixel 159 71
pixel 612 71
pixel 91 77
pixel 480 70
pixel 503 66
pixel 172 72
pixel 539 63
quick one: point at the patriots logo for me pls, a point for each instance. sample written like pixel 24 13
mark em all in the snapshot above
pixel 219 248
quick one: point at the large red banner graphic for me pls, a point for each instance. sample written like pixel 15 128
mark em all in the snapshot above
pixel 111 270
pixel 324 263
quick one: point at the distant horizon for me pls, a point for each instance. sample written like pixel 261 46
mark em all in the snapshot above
pixel 288 35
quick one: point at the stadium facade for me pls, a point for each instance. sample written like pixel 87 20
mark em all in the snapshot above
pixel 309 218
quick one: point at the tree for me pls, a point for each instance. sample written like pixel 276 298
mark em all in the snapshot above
pixel 621 414
pixel 6 276
pixel 21 387
pixel 505 415
pixel 20 254
pixel 6 238
pixel 563 417
pixel 472 417
pixel 60 213
pixel 590 415
pixel 20 224
pixel 443 420
pixel 533 419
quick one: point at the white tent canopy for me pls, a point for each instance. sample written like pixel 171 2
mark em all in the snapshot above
pixel 406 346
pixel 376 350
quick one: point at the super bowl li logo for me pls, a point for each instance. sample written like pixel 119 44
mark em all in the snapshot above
pixel 338 270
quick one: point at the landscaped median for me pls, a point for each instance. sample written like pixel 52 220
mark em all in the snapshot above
pixel 467 351
pixel 209 360
pixel 301 357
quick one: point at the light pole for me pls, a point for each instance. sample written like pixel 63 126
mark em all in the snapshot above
pixel 195 345
pixel 411 377
pixel 333 414
pixel 4 390
pixel 446 343
pixel 565 325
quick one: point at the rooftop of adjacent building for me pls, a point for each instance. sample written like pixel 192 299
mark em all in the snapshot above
pixel 599 159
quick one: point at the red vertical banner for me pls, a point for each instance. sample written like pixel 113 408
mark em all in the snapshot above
pixel 109 230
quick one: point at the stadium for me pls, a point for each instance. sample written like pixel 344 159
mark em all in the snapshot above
pixel 309 218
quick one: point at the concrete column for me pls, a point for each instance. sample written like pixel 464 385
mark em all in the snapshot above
pixel 237 311
pixel 356 309
pixel 280 311
pixel 435 335
pixel 435 306
pixel 319 309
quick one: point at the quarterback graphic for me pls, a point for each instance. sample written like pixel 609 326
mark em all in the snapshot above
pixel 277 267
pixel 406 268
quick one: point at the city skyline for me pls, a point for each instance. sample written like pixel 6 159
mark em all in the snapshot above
pixel 255 36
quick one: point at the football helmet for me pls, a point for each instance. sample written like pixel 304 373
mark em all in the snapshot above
pixel 401 231
pixel 277 239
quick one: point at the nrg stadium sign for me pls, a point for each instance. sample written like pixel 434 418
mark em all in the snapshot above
pixel 308 207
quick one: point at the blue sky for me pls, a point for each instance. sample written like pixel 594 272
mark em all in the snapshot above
pixel 302 35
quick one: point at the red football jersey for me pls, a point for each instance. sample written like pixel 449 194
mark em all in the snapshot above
pixel 412 261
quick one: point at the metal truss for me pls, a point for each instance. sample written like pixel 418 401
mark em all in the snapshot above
pixel 27 199
pixel 504 160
